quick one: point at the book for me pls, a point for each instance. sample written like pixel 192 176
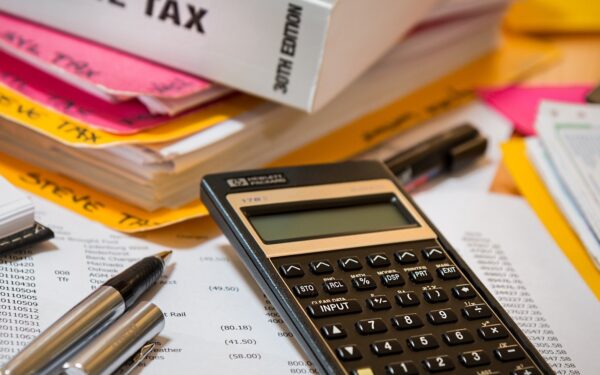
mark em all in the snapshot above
pixel 155 176
pixel 300 53
pixel 18 227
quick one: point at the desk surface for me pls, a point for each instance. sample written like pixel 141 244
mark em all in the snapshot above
pixel 579 63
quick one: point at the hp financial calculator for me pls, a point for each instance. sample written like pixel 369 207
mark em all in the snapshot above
pixel 364 281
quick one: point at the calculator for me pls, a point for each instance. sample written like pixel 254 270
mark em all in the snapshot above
pixel 364 281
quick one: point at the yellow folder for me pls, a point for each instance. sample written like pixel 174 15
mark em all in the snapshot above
pixel 534 191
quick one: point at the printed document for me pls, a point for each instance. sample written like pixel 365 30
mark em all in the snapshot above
pixel 218 321
pixel 506 245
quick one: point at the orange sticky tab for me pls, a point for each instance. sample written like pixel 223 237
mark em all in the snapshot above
pixel 534 191
pixel 92 204
pixel 72 132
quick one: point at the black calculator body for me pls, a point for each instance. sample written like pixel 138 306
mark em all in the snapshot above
pixel 362 278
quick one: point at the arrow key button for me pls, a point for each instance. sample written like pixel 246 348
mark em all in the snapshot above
pixel 406 257
pixel 348 353
pixel 291 270
pixel 434 253
pixel 333 331
pixel 319 267
pixel 350 264
pixel 464 291
pixel 378 260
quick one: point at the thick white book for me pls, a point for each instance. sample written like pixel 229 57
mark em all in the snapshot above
pixel 301 52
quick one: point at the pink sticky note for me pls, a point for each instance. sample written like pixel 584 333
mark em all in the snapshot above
pixel 119 118
pixel 113 72
pixel 520 104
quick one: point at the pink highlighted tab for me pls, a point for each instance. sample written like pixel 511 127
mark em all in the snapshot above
pixel 107 70
pixel 118 118
pixel 520 104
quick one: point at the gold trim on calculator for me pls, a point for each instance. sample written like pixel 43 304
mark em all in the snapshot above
pixel 239 201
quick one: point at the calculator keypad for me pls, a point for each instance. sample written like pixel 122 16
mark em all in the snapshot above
pixel 404 309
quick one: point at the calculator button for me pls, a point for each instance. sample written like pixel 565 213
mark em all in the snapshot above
pixel 386 347
pixel 474 358
pixel 458 337
pixel 526 371
pixel 422 342
pixel 444 316
pixel 406 299
pixel 420 276
pixel 305 290
pixel 379 303
pixel 335 286
pixel 350 264
pixel 407 321
pixel 448 273
pixel 348 353
pixel 392 279
pixel 378 260
pixel 350 306
pixel 401 368
pixel 364 283
pixel 439 363
pixel 291 270
pixel 370 326
pixel 319 267
pixel 333 331
pixel 435 295
pixel 464 291
pixel 492 332
pixel 434 254
pixel 476 312
pixel 406 257
pixel 509 353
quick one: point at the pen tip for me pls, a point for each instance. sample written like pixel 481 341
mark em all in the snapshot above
pixel 164 255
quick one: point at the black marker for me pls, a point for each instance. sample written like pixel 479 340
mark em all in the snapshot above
pixel 442 153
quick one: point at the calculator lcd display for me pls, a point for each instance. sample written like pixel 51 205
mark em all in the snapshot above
pixel 335 220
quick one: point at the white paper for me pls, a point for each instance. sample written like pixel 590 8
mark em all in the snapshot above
pixel 563 199
pixel 570 133
pixel 503 241
pixel 217 320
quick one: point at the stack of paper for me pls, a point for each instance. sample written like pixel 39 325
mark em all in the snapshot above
pixel 84 111
pixel 16 210
pixel 17 222
pixel 567 157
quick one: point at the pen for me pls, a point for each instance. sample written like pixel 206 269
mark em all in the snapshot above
pixel 444 152
pixel 122 346
pixel 87 319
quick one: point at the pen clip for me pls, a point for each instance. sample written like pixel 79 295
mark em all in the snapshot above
pixel 135 359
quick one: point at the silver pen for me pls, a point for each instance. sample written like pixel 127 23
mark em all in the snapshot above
pixel 88 318
pixel 122 346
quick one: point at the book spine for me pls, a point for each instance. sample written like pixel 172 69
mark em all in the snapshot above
pixel 270 48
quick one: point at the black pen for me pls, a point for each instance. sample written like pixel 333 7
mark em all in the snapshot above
pixel 87 319
pixel 444 152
